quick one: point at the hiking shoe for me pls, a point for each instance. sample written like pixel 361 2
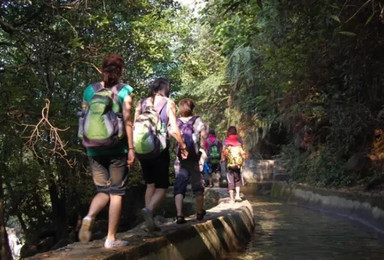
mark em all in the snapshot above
pixel 180 220
pixel 115 243
pixel 148 219
pixel 85 232
pixel 200 216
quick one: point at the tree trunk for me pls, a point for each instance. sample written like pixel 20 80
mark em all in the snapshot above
pixel 58 212
pixel 4 245
pixel 59 217
pixel 16 210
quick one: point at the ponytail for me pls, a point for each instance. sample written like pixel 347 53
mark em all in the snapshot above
pixel 159 86
pixel 112 70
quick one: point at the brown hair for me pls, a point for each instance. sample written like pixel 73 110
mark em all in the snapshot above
pixel 231 130
pixel 112 69
pixel 186 107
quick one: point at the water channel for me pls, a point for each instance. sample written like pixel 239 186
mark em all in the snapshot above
pixel 286 231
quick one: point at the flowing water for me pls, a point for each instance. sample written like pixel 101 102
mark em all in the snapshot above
pixel 286 231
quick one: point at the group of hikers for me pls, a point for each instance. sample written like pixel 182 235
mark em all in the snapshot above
pixel 113 142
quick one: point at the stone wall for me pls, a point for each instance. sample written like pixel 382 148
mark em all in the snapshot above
pixel 365 208
pixel 263 170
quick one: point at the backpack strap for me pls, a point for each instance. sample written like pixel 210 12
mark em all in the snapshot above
pixel 160 106
pixel 192 120
pixel 97 86
pixel 115 89
pixel 211 143
pixel 142 105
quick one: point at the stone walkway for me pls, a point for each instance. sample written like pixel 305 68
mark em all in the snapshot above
pixel 226 228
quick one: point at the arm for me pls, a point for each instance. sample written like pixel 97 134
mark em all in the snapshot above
pixel 223 151
pixel 224 154
pixel 137 111
pixel 174 128
pixel 203 133
pixel 220 145
pixel 243 153
pixel 84 105
pixel 127 106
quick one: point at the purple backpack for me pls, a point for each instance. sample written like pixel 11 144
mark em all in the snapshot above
pixel 190 138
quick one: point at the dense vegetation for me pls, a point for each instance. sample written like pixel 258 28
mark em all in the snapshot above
pixel 302 80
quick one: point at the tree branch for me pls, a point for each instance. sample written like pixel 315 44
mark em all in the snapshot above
pixel 45 131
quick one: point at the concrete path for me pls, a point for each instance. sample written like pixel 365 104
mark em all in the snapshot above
pixel 226 228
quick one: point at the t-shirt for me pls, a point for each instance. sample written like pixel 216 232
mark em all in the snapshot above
pixel 122 146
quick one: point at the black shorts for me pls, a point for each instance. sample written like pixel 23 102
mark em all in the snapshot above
pixel 156 170
pixel 214 167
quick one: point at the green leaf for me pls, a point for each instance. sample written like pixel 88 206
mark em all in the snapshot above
pixel 336 18
pixel 370 18
pixel 351 34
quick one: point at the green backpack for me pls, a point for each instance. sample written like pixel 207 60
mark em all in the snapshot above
pixel 150 130
pixel 101 124
pixel 213 151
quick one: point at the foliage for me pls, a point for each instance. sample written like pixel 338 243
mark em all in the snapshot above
pixel 310 67
pixel 319 168
pixel 52 51
pixel 302 78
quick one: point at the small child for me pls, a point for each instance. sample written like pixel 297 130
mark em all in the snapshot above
pixel 213 147
pixel 234 154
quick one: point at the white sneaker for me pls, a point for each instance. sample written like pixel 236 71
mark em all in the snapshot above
pixel 85 232
pixel 115 244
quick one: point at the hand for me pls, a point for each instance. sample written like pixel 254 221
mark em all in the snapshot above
pixel 184 153
pixel 131 157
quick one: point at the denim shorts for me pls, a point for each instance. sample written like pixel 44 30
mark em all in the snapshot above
pixel 188 171
pixel 109 173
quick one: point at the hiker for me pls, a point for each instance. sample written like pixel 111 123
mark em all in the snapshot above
pixel 109 158
pixel 203 165
pixel 154 156
pixel 213 147
pixel 192 129
pixel 14 243
pixel 234 155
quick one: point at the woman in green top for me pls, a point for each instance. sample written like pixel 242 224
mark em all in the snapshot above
pixel 109 166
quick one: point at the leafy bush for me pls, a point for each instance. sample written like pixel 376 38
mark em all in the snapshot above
pixel 320 167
